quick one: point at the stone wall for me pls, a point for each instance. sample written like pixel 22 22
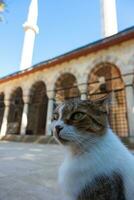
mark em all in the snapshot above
pixel 121 56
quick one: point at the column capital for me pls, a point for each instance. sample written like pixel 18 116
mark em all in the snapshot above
pixel 26 95
pixel 51 94
pixel 7 102
pixel 26 99
pixel 7 99
pixel 83 88
pixel 83 91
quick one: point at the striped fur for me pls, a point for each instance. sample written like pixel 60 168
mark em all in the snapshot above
pixel 97 166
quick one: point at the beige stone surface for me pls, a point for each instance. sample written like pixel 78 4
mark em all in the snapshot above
pixel 29 171
pixel 119 55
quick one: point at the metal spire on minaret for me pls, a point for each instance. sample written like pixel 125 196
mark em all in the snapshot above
pixel 31 29
pixel 108 17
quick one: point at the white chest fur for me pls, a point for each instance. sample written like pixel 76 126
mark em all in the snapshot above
pixel 106 156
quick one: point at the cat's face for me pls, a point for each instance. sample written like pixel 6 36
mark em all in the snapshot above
pixel 77 121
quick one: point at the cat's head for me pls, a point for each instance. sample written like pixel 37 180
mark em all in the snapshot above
pixel 77 122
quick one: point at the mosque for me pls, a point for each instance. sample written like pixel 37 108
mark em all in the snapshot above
pixel 28 97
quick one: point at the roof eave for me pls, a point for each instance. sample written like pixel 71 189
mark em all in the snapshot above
pixel 83 51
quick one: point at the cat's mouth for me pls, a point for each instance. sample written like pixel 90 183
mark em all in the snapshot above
pixel 60 138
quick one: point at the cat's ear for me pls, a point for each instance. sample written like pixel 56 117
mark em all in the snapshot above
pixel 103 100
pixel 103 103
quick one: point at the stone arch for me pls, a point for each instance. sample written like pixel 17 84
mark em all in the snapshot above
pixel 112 83
pixel 61 73
pixel 15 111
pixel 112 58
pixel 37 112
pixel 2 108
pixel 66 87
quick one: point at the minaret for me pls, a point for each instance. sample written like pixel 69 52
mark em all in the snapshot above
pixel 109 17
pixel 31 29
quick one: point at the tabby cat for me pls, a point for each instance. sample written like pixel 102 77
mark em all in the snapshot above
pixel 97 166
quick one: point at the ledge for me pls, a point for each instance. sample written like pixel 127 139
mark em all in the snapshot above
pixel 41 139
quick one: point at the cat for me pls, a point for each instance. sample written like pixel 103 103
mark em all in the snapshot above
pixel 97 165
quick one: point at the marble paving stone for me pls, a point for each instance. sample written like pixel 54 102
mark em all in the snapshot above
pixel 29 171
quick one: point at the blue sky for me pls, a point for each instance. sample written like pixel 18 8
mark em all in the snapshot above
pixel 64 25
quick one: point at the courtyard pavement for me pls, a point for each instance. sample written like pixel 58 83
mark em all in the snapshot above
pixel 29 171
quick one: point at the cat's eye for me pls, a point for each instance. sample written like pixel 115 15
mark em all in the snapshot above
pixel 55 116
pixel 77 115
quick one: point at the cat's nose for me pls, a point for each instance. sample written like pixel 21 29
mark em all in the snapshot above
pixel 58 128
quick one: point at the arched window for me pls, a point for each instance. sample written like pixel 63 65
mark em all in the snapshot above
pixel 115 86
pixel 2 108
pixel 37 109
pixel 15 112
pixel 66 87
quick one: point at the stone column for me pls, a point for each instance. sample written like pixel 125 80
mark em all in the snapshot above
pixel 83 91
pixel 51 95
pixel 5 118
pixel 130 108
pixel 24 120
pixel 130 104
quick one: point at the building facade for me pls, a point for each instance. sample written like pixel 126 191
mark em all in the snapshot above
pixel 27 98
